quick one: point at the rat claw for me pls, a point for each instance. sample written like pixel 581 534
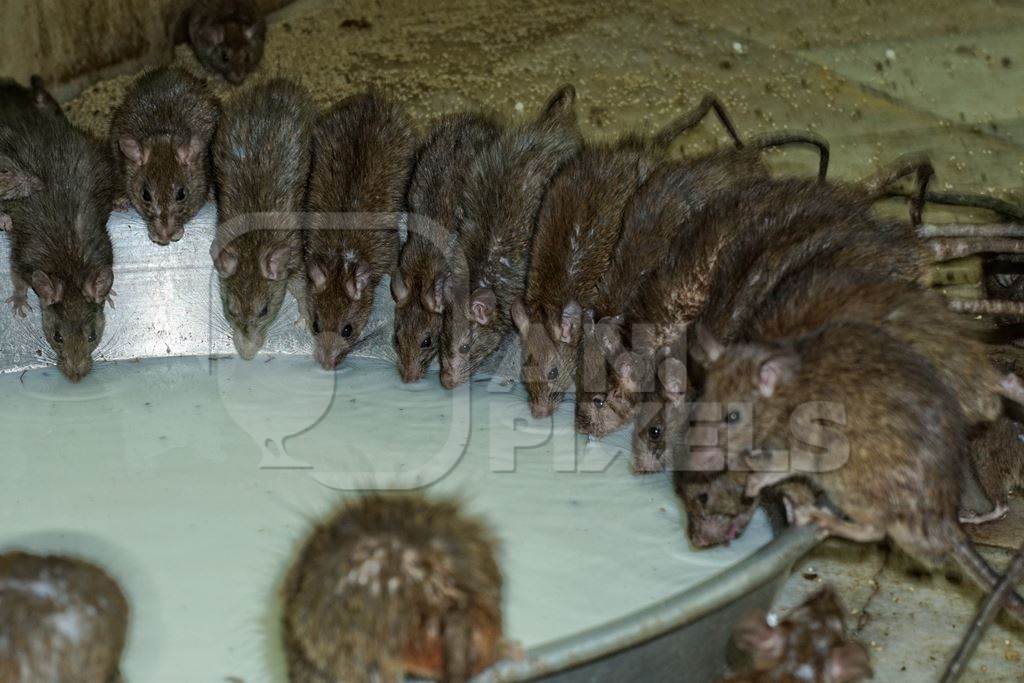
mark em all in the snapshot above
pixel 19 304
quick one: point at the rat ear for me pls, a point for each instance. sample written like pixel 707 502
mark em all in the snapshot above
pixel 520 317
pixel 773 371
pixel 572 321
pixel 626 366
pixel 225 260
pixel 188 152
pixel 317 276
pixel 15 181
pixel 713 349
pixel 253 30
pixel 481 305
pixel 99 285
pixel 274 263
pixel 399 290
pixel 609 335
pixel 764 643
pixel 848 663
pixel 433 298
pixel 209 36
pixel 672 374
pixel 136 152
pixel 561 105
pixel 357 281
pixel 49 291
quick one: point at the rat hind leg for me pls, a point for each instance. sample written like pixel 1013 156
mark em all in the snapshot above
pixel 19 300
pixel 831 525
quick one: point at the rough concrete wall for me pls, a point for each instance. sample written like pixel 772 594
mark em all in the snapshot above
pixel 73 42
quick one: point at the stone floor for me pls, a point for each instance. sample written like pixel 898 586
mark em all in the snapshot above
pixel 877 79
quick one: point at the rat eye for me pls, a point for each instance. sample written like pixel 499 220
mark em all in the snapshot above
pixel 182 193
pixel 702 499
pixel 224 55
pixel 732 417
pixel 599 401
pixel 316 324
pixel 346 331
pixel 58 337
pixel 426 343
pixel 552 374
pixel 146 195
pixel 464 348
pixel 654 432
pixel 263 313
pixel 92 337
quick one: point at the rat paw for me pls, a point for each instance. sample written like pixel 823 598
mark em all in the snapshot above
pixel 19 304
pixel 5 223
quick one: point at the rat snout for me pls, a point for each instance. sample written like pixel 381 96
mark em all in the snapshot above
pixel 411 372
pixel 247 345
pixel 163 231
pixel 542 408
pixel 328 353
pixel 75 369
pixel 450 379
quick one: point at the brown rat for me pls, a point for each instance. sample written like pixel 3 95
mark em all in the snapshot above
pixel 161 135
pixel 997 455
pixel 864 418
pixel 364 148
pixel 227 37
pixel 503 195
pixel 58 234
pixel 394 585
pixel 262 155
pixel 810 645
pixel 61 619
pixel 435 209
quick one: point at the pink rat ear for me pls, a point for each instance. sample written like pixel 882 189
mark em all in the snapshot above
pixel 775 371
pixel 713 349
pixel 50 292
pixel 357 281
pixel 571 322
pixel 136 152
pixel 399 290
pixel 764 643
pixel 317 277
pixel 225 261
pixel 432 298
pixel 626 367
pixel 848 663
pixel 481 305
pixel 210 36
pixel 672 374
pixel 274 263
pixel 98 286
pixel 188 152
pixel 521 317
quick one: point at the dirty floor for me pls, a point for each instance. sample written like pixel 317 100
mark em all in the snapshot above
pixel 877 79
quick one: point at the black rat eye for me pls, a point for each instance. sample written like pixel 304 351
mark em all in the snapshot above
pixel 92 337
pixel 426 343
pixel 146 195
pixel 464 348
pixel 265 311
pixel 316 324
pixel 654 432
pixel 732 417
pixel 346 331
pixel 58 337
pixel 702 499
pixel 182 193
pixel 599 401
pixel 552 374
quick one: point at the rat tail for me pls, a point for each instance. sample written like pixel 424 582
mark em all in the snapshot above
pixel 982 572
pixel 881 183
pixel 775 140
pixel 677 127
pixel 988 307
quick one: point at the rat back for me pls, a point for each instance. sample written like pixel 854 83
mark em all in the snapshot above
pixel 60 620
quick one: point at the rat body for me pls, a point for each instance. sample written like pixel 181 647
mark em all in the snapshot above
pixel 161 135
pixel 227 37
pixel 364 148
pixel 394 585
pixel 15 98
pixel 435 210
pixel 809 646
pixel 262 155
pixel 503 195
pixel 58 233
pixel 997 455
pixel 889 454
pixel 61 619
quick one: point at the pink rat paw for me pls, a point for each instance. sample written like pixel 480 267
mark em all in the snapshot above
pixel 19 304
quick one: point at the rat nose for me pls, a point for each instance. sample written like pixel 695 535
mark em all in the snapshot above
pixel 411 373
pixel 448 379
pixel 541 409
pixel 75 371
pixel 163 232
pixel 326 355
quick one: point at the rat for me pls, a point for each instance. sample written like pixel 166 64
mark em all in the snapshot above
pixel 810 645
pixel 502 197
pixel 391 585
pixel 865 419
pixel 364 148
pixel 997 455
pixel 227 37
pixel 435 209
pixel 15 97
pixel 61 619
pixel 59 242
pixel 262 155
pixel 161 135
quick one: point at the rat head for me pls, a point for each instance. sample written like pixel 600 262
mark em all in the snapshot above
pixel 717 508
pixel 167 182
pixel 340 300
pixel 253 282
pixel 550 342
pixel 470 331
pixel 417 324
pixel 606 398
pixel 231 48
pixel 661 418
pixel 810 644
pixel 73 320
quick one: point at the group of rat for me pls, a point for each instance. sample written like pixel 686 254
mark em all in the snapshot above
pixel 794 313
